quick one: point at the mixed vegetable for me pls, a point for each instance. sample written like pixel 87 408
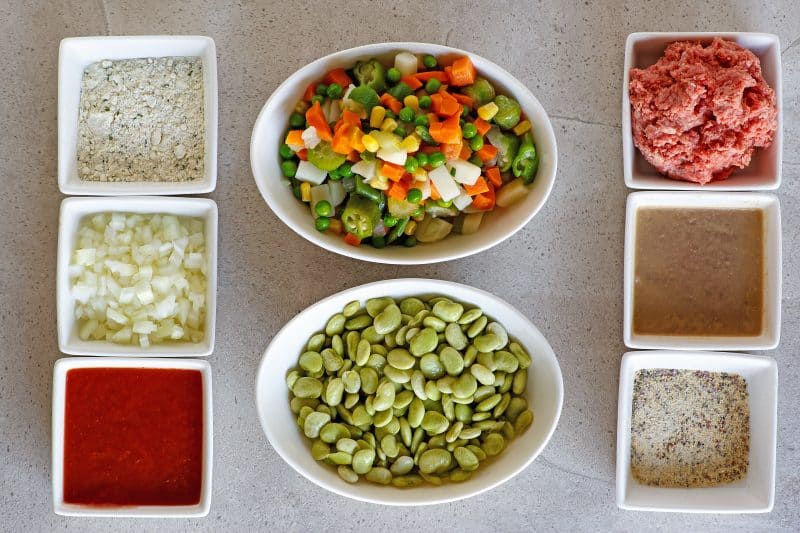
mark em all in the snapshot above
pixel 407 153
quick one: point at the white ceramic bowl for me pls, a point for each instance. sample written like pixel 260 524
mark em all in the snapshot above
pixel 544 393
pixel 763 173
pixel 73 210
pixel 772 268
pixel 755 493
pixel 270 130
pixel 60 507
pixel 77 53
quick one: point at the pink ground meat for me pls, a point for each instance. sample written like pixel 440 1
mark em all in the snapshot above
pixel 700 111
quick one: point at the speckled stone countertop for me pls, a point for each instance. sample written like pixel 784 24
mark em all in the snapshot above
pixel 563 270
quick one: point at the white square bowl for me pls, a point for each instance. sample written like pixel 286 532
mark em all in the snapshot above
pixel 755 493
pixel 60 507
pixel 77 53
pixel 764 172
pixel 73 210
pixel 770 205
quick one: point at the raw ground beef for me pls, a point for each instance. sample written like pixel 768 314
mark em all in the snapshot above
pixel 700 111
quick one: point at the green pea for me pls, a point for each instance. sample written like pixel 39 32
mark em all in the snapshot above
pixel 323 208
pixel 400 131
pixel 317 99
pixel 422 159
pixel 429 61
pixel 432 85
pixel 289 168
pixel 469 130
pixel 334 90
pixel 436 159
pixel 419 120
pixel 406 114
pixel 393 75
pixel 414 196
pixel 285 152
pixel 411 165
pixel 424 103
pixel 297 120
pixel 410 241
pixel 476 143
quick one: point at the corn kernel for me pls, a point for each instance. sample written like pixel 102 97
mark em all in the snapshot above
pixel 420 175
pixel 419 218
pixel 488 111
pixel 410 143
pixel 380 184
pixel 301 107
pixel 370 143
pixel 389 124
pixel 411 227
pixel 335 226
pixel 376 116
pixel 411 101
pixel 305 191
pixel 522 127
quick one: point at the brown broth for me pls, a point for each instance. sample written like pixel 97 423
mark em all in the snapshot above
pixel 698 272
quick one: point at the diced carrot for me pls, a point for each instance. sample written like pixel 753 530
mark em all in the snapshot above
pixel 435 192
pixel 482 126
pixel 493 173
pixel 316 118
pixel 428 149
pixel 451 151
pixel 354 156
pixel 341 139
pixel 295 138
pixel 392 171
pixel 352 240
pixel 484 201
pixel 311 90
pixel 412 82
pixel 480 186
pixel 461 72
pixel 337 75
pixel 443 104
pixel 463 99
pixel 303 155
pixel 398 190
pixel 438 74
pixel 447 132
pixel 465 153
pixel 487 153
pixel 351 118
pixel 391 102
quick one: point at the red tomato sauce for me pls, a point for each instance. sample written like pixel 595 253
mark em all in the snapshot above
pixel 133 436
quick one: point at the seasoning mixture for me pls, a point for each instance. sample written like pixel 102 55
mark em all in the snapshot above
pixel 698 272
pixel 142 120
pixel 689 428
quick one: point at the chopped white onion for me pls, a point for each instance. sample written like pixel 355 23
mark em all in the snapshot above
pixel 140 279
pixel 309 172
pixel 406 63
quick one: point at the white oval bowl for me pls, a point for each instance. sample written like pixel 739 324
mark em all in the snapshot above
pixel 500 224
pixel 545 395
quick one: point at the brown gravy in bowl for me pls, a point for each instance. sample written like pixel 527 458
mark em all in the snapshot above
pixel 698 272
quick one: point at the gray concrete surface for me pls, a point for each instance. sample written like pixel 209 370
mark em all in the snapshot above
pixel 564 270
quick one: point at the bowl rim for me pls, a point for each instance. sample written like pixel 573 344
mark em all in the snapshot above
pixel 78 207
pixel 58 417
pixel 375 256
pixel 633 180
pixel 711 361
pixel 207 183
pixel 768 203
pixel 426 285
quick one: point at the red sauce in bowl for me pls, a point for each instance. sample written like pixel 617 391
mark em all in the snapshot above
pixel 133 436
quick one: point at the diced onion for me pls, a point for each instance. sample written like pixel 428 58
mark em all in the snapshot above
pixel 140 279
pixel 406 63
